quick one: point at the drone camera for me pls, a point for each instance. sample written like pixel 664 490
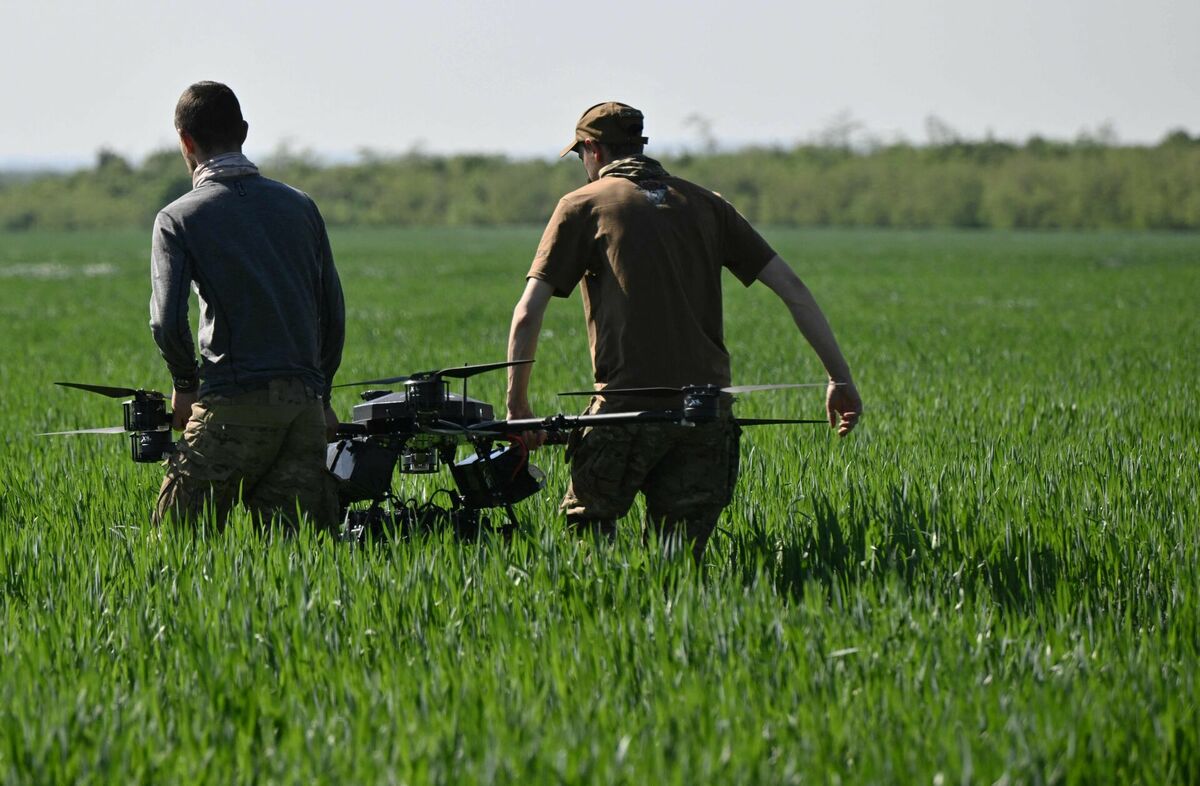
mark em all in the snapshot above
pixel 419 461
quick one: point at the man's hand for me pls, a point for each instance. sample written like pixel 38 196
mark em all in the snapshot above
pixel 331 424
pixel 843 405
pixel 532 439
pixel 181 408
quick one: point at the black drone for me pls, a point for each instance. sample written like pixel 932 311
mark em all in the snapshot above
pixel 419 429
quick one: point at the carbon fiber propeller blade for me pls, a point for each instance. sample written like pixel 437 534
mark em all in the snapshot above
pixel 666 392
pixel 107 430
pixel 454 372
pixel 103 390
pixel 773 421
pixel 648 392
pixel 783 386
pixel 462 372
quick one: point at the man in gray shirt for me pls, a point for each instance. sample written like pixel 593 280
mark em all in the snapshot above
pixel 254 410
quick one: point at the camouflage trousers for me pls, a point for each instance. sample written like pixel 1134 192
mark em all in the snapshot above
pixel 265 447
pixel 686 473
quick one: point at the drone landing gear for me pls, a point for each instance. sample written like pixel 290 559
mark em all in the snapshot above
pixel 392 518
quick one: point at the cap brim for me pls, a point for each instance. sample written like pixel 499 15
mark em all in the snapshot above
pixel 569 148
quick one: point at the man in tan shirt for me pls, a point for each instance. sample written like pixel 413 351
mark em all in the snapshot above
pixel 649 249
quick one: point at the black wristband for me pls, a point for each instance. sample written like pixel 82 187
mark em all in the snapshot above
pixel 185 384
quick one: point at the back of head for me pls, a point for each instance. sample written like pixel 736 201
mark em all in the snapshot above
pixel 615 125
pixel 210 114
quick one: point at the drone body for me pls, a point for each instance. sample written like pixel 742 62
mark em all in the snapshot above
pixel 417 430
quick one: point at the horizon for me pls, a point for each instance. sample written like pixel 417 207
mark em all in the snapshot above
pixel 860 140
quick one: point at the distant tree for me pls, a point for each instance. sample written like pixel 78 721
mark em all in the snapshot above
pixel 836 180
pixel 939 132
pixel 703 127
pixel 112 163
pixel 1178 137
pixel 839 131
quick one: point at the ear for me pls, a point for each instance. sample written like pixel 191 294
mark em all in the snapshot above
pixel 189 144
pixel 598 151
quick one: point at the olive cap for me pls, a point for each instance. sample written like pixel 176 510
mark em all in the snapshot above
pixel 610 123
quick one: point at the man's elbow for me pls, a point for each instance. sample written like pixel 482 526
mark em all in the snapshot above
pixel 526 315
pixel 158 330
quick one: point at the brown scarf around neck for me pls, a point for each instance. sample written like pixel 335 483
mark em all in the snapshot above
pixel 637 167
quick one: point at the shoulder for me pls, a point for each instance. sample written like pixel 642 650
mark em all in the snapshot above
pixel 290 193
pixel 183 205
pixel 281 189
pixel 596 193
pixel 695 190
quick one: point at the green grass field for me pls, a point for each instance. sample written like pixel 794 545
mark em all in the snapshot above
pixel 994 579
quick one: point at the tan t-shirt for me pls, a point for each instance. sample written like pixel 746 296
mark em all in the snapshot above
pixel 650 255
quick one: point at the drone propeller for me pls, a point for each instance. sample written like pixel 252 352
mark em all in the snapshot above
pixel 666 392
pixel 106 430
pixel 773 421
pixel 454 372
pixel 104 390
pixel 462 372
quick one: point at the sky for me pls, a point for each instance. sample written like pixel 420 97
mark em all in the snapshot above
pixel 335 78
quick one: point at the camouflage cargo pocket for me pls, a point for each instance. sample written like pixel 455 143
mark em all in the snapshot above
pixel 601 483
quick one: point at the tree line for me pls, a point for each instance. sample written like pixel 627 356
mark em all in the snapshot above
pixel 1037 184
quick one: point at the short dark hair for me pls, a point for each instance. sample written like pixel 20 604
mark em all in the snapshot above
pixel 624 149
pixel 209 113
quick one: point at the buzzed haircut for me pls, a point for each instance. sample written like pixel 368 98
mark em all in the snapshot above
pixel 210 114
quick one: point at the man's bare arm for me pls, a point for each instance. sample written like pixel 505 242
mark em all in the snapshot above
pixel 522 344
pixel 842 402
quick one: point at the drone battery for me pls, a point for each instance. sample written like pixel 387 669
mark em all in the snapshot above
pixel 363 469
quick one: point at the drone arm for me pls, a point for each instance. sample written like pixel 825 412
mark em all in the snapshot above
pixel 567 422
pixel 522 343
pixel 170 276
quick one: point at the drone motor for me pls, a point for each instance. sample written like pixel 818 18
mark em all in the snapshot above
pixel 426 395
pixel 701 404
pixel 147 419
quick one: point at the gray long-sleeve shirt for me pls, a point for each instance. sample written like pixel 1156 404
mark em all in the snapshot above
pixel 257 253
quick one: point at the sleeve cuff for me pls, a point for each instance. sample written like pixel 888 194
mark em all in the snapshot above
pixel 186 384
